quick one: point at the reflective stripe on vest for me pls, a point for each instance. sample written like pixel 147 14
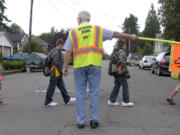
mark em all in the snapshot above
pixel 87 50
pixel 97 36
pixel 95 48
pixel 75 39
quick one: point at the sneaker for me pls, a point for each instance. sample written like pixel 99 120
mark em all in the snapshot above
pixel 52 104
pixel 170 101
pixel 2 103
pixel 113 103
pixel 71 101
pixel 129 104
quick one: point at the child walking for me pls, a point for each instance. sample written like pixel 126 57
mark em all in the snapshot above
pixel 1 102
pixel 120 77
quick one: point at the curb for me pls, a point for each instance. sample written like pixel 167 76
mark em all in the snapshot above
pixel 8 72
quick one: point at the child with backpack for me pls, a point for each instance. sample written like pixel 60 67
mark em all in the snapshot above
pixel 120 72
pixel 1 102
pixel 56 78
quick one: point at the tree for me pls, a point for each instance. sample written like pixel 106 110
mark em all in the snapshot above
pixel 63 34
pixel 46 36
pixel 53 36
pixel 139 50
pixel 148 49
pixel 35 47
pixel 170 18
pixel 3 18
pixel 14 28
pixel 130 26
pixel 152 24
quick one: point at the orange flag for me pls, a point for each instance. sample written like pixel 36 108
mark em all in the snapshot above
pixel 175 58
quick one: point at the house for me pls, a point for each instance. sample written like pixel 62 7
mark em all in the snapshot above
pixel 18 40
pixel 6 45
pixel 10 43
pixel 160 46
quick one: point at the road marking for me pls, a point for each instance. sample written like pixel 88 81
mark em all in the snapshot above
pixel 44 91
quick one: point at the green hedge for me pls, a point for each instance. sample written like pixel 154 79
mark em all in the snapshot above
pixel 7 64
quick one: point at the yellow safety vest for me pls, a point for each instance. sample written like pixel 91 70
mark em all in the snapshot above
pixel 87 40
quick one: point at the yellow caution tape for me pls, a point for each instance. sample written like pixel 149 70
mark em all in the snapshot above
pixel 159 40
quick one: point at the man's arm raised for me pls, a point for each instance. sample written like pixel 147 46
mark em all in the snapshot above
pixel 122 35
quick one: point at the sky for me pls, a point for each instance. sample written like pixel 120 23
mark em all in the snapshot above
pixel 62 14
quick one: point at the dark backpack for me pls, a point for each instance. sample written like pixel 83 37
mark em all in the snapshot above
pixel 112 69
pixel 47 66
pixel 117 68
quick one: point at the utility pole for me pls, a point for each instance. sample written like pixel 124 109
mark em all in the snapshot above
pixel 129 41
pixel 30 28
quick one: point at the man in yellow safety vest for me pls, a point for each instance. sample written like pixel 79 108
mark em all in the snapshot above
pixel 86 43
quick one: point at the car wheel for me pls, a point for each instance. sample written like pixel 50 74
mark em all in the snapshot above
pixel 28 69
pixel 159 72
pixel 139 67
pixel 152 71
pixel 142 67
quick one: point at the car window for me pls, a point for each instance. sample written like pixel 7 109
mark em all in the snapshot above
pixel 160 56
pixel 167 57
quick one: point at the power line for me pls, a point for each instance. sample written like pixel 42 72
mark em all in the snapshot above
pixel 55 6
pixel 57 10
pixel 67 5
pixel 73 5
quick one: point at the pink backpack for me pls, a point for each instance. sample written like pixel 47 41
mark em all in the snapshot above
pixel 0 78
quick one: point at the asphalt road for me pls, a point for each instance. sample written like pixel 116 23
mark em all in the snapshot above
pixel 25 114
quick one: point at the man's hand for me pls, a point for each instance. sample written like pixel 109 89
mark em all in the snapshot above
pixel 67 55
pixel 65 71
pixel 133 37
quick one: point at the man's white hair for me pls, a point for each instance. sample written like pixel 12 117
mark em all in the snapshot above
pixel 84 15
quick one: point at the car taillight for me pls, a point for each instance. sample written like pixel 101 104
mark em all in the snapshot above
pixel 163 62
pixel 145 61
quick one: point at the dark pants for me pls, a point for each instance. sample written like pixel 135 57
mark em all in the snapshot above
pixel 120 80
pixel 51 88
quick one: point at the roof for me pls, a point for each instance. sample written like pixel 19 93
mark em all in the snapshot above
pixel 15 37
pixel 40 41
pixel 5 40
pixel 43 43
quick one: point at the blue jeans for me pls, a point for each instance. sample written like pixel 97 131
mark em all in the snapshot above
pixel 91 75
pixel 51 88
pixel 118 81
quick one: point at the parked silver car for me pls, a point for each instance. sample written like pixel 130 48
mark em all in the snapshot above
pixel 133 59
pixel 146 62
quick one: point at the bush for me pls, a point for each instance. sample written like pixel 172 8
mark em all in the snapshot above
pixel 35 47
pixel 12 64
